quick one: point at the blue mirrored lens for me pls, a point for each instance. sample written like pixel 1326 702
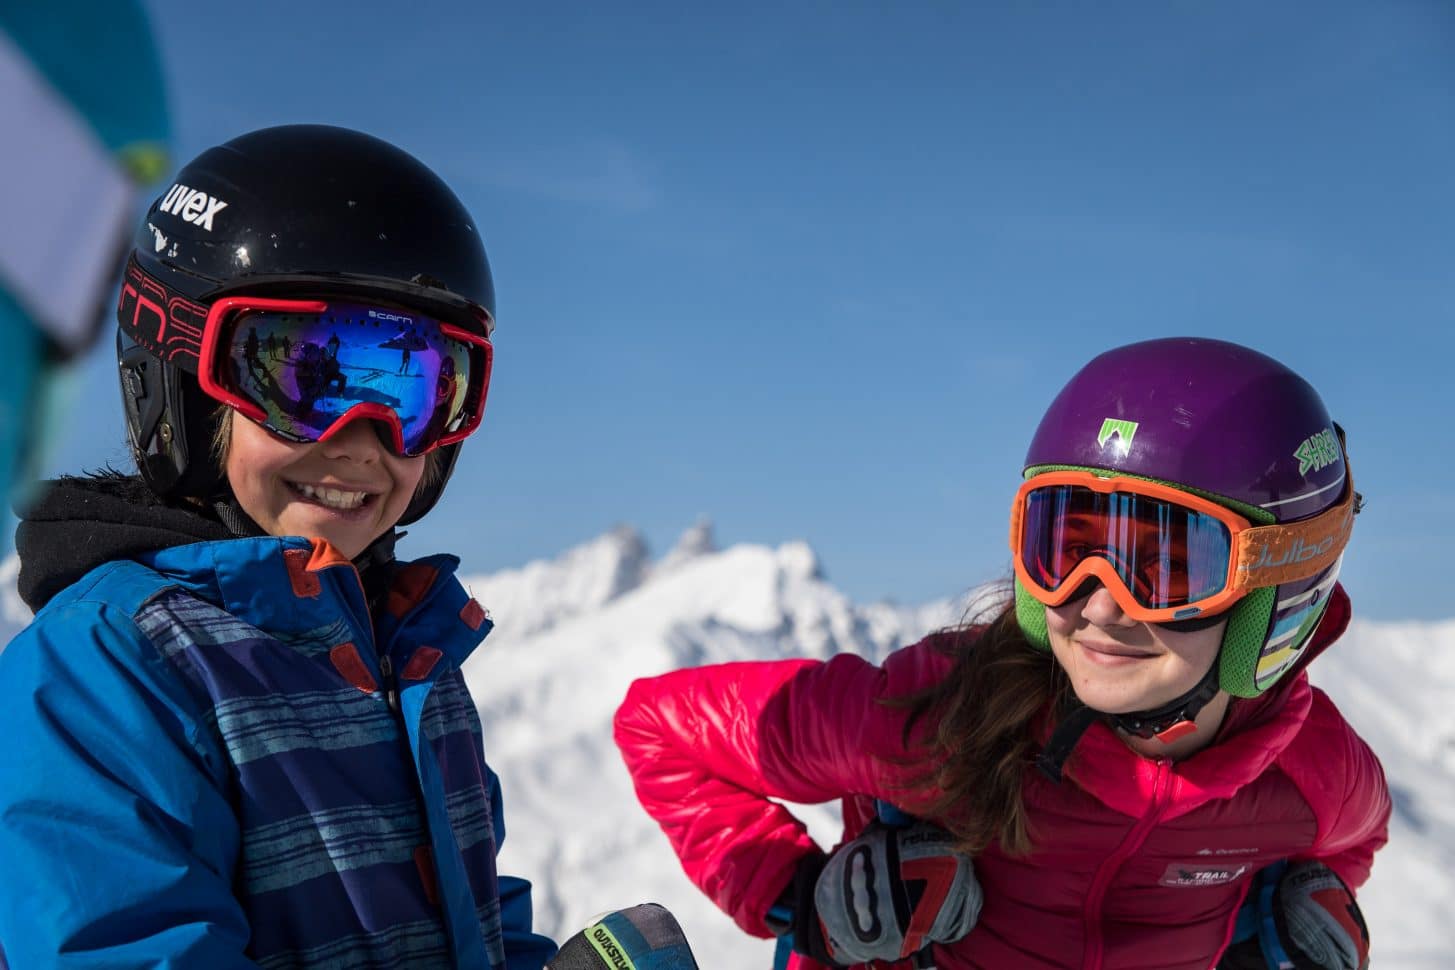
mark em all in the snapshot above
pixel 306 370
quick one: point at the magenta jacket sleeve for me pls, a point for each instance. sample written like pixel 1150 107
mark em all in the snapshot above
pixel 1344 784
pixel 709 748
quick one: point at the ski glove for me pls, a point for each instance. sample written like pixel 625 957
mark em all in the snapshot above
pixel 884 896
pixel 1301 916
pixel 645 936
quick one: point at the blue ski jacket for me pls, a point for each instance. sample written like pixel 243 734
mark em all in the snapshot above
pixel 215 756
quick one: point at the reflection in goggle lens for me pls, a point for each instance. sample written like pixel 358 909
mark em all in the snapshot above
pixel 305 370
pixel 1166 555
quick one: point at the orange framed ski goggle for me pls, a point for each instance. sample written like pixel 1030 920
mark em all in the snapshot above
pixel 1163 553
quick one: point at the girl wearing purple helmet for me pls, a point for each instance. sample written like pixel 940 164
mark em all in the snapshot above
pixel 1126 766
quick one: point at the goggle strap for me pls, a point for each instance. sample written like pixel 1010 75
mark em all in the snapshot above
pixel 1271 555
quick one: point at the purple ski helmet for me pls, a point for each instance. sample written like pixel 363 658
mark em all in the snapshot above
pixel 1224 422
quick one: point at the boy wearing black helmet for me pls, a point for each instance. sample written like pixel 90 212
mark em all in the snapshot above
pixel 237 732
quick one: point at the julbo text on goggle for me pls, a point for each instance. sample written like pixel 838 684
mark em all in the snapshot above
pixel 1163 553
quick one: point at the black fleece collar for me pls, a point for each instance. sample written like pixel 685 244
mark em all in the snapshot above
pixel 79 522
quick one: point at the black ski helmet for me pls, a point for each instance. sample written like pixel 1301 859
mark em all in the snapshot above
pixel 295 209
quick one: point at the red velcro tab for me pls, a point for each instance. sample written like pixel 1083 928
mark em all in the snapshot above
pixel 325 555
pixel 305 584
pixel 424 862
pixel 408 586
pixel 473 614
pixel 346 660
pixel 421 662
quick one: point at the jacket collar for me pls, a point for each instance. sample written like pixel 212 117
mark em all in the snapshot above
pixel 297 587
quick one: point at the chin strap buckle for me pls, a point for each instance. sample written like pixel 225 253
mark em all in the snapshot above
pixel 1176 732
pixel 1175 720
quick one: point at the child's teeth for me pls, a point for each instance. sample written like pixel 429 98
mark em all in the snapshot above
pixel 333 497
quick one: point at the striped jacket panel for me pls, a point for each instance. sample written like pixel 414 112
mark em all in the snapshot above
pixel 268 774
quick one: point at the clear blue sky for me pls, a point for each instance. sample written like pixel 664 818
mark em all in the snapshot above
pixel 813 270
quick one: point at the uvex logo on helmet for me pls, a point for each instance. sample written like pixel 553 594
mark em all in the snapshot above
pixel 192 205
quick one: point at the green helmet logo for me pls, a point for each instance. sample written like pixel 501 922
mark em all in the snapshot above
pixel 1317 451
pixel 1115 427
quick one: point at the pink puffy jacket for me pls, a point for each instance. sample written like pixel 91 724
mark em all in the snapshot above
pixel 1140 863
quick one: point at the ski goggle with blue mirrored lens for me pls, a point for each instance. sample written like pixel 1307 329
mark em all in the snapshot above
pixel 305 368
pixel 1163 553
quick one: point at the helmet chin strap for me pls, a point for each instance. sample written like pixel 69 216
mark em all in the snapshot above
pixel 1173 720
pixel 1168 723
pixel 230 513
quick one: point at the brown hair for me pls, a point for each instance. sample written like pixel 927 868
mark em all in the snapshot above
pixel 980 738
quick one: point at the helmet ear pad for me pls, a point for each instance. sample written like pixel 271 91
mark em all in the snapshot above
pixel 1248 627
pixel 1030 615
pixel 1250 623
pixel 171 425
pixel 427 495
pixel 1268 631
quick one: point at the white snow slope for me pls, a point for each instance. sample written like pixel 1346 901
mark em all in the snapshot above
pixel 572 633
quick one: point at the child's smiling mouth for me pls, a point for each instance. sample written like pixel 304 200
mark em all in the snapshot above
pixel 332 497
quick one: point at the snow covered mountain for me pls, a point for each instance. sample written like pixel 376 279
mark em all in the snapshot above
pixel 574 631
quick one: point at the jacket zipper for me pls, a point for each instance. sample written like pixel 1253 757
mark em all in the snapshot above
pixel 1107 871
pixel 390 687
pixel 391 683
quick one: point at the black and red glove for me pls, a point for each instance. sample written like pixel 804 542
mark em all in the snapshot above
pixel 1301 916
pixel 885 896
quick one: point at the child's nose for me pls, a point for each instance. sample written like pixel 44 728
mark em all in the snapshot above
pixel 362 439
pixel 1102 609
